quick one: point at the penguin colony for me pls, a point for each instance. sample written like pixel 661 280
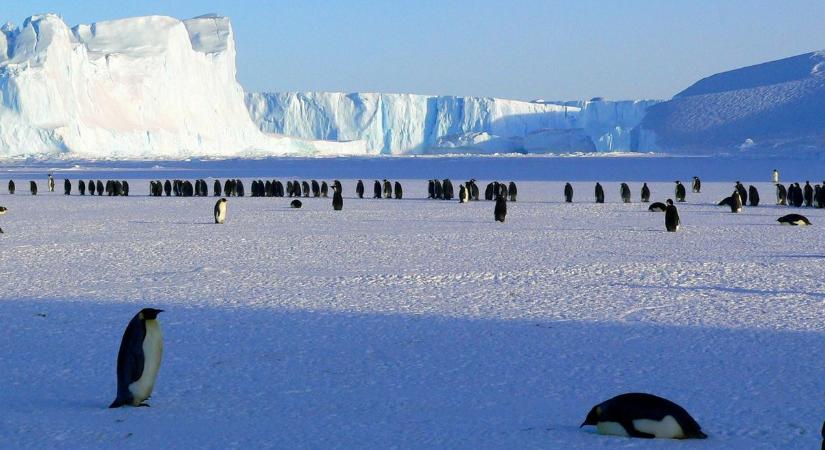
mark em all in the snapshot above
pixel 639 415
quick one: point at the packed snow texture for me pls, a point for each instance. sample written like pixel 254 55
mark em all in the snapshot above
pixel 771 108
pixel 133 88
pixel 407 123
pixel 411 323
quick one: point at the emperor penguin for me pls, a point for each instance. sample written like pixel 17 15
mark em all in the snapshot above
pixel 81 186
pixel 645 193
pixel 697 185
pixel 99 188
pixel 359 188
pixel 643 416
pixel 324 189
pixel 657 207
pixel 399 193
pixel 474 190
pixel 67 187
pixel 430 188
pixel 599 193
pixel 438 190
pixel 781 195
pixel 217 188
pixel 736 202
pixel 11 187
pixel 447 189
pixel 3 210
pixel 387 189
pixel 33 187
pixel 793 219
pixel 680 191
pixel 568 193
pixel 500 211
pixel 167 188
pixel 316 188
pixel 513 191
pixel 220 211
pixel 672 222
pixel 753 195
pixel 237 188
pixel 775 177
pixel 337 199
pixel 91 187
pixel 624 191
pixel 296 204
pixel 488 191
pixel 463 196
pixel 376 189
pixel 138 360
pixel 809 194
pixel 743 193
pixel 51 183
pixel 125 185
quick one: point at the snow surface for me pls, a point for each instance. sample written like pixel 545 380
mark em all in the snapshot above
pixel 411 323
pixel 143 87
pixel 407 123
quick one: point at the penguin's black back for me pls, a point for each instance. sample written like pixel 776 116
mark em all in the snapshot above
pixel 337 200
pixel 626 408
pixel 672 221
pixel 376 189
pixel 359 189
pixel 11 187
pixel 513 191
pixel 500 211
pixel 753 196
pixel 645 193
pixel 599 193
pixel 657 207
pixel 296 203
pixel 568 193
pixel 399 193
pixel 81 186
pixel 130 360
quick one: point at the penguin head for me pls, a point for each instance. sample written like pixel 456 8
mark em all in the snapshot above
pixel 149 313
pixel 669 202
pixel 593 416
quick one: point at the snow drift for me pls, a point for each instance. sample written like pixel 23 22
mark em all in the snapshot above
pixel 774 108
pixel 406 123
pixel 145 87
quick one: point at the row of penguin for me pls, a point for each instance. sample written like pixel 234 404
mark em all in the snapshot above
pixel 794 195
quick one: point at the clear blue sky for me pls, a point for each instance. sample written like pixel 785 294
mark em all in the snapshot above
pixel 521 49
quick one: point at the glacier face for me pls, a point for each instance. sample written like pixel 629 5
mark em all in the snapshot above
pixel 145 87
pixel 407 123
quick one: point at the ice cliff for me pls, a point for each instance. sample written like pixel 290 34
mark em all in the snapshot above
pixel 145 87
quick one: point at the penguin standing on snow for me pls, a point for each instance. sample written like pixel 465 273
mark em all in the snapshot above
pixel 138 360
pixel 33 187
pixel 51 183
pixel 11 187
pixel 643 416
pixel 399 193
pixel 736 202
pixel 645 193
pixel 753 195
pixel 376 189
pixel 500 211
pixel 67 187
pixel 513 191
pixel 337 199
pixel 775 177
pixel 624 191
pixel 220 211
pixel 99 188
pixel 743 193
pixel 387 189
pixel 463 197
pixel 781 195
pixel 81 186
pixel 599 193
pixel 809 194
pixel 672 222
pixel 568 193
pixel 697 185
pixel 680 192
pixel 91 187
pixel 359 189
pixel 216 188
pixel 793 219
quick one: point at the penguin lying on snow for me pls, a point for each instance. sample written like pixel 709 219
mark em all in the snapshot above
pixel 3 210
pixel 138 360
pixel 657 207
pixel 794 219
pixel 296 204
pixel 643 416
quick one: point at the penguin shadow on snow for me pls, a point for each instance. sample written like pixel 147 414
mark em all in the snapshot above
pixel 486 385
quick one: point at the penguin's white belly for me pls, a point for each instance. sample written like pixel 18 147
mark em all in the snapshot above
pixel 611 428
pixel 221 216
pixel 152 353
pixel 667 428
